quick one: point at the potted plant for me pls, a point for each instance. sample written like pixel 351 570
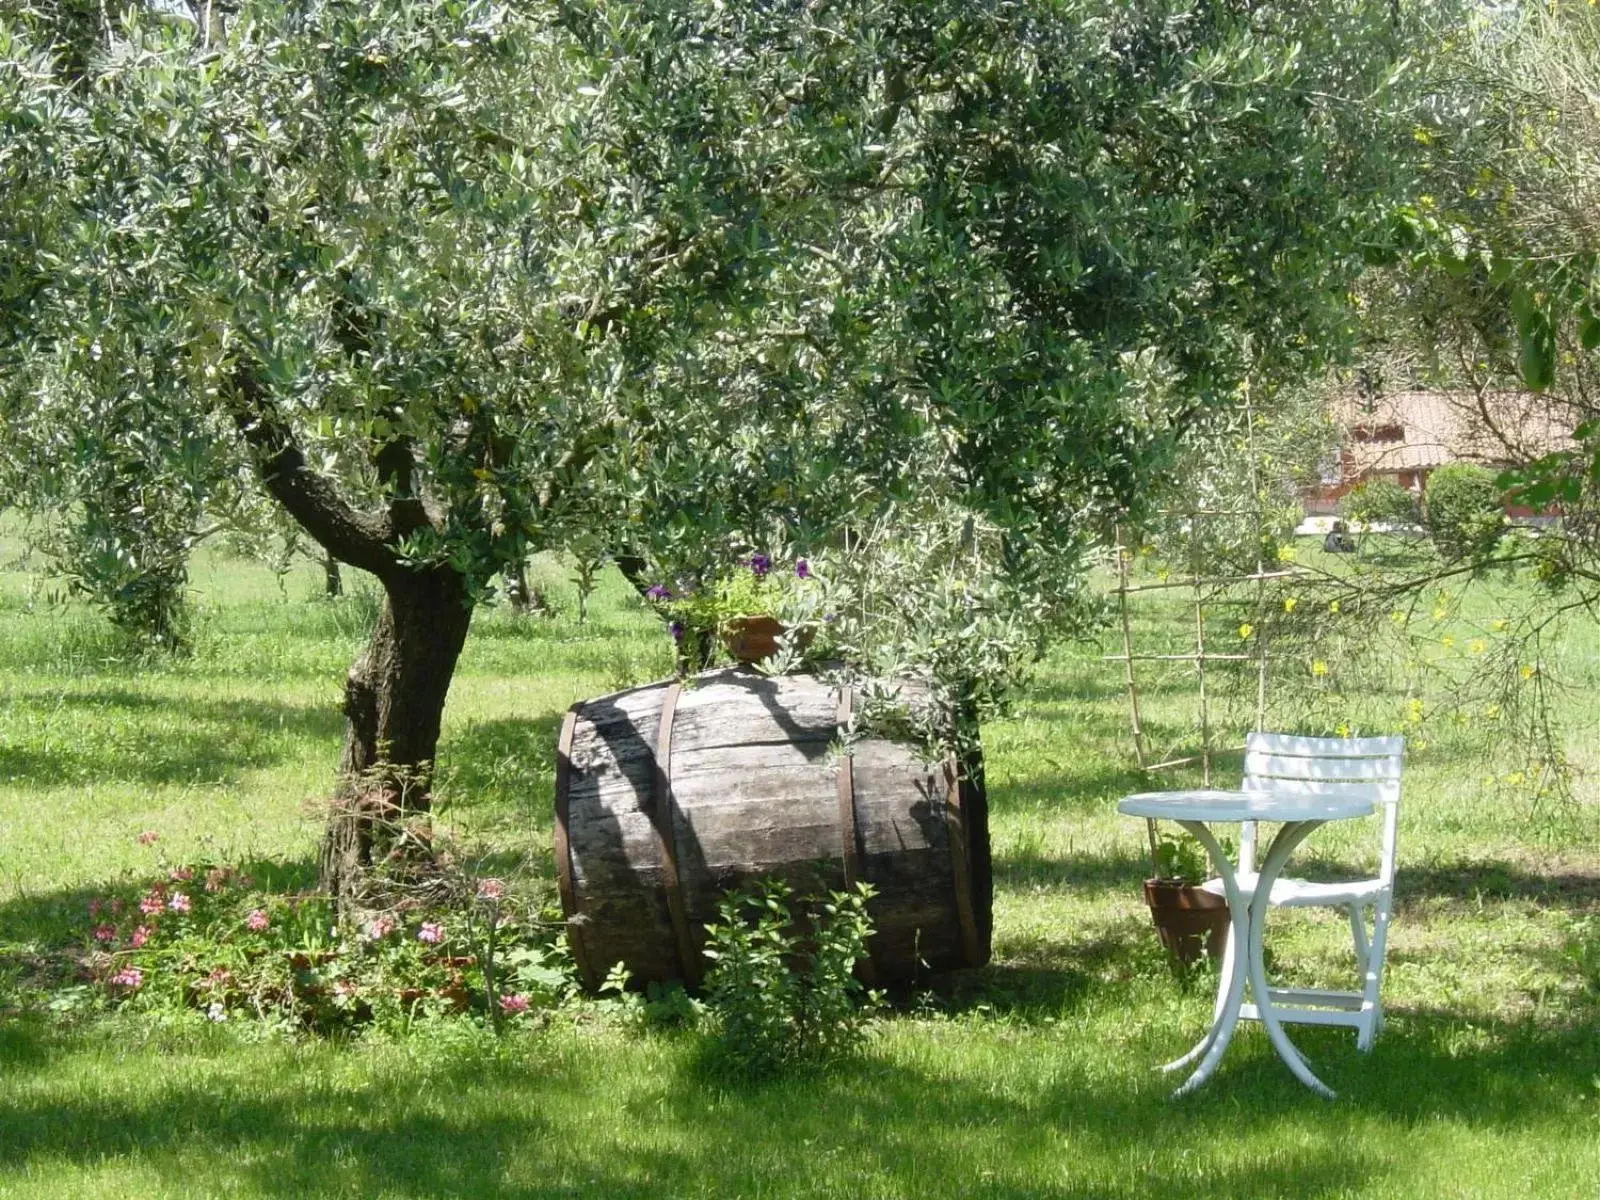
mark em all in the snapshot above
pixel 1187 917
pixel 750 609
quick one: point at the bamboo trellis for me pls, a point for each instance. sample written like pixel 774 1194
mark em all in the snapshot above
pixel 1202 589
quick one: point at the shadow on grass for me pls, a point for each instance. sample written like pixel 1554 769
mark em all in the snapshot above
pixel 553 1117
pixel 1123 867
pixel 1066 789
pixel 179 739
pixel 1576 890
pixel 510 761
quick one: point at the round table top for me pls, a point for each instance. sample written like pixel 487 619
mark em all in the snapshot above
pixel 1212 805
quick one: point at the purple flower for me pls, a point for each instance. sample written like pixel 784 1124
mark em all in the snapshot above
pixel 760 564
pixel 179 903
pixel 430 933
pixel 658 591
pixel 676 630
pixel 802 569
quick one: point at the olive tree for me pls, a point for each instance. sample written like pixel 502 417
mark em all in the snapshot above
pixel 933 289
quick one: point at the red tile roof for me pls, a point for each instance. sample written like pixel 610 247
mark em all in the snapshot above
pixel 1417 430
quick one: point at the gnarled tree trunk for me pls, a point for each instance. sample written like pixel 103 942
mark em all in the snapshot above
pixel 394 702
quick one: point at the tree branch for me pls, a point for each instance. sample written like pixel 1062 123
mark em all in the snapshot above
pixel 362 539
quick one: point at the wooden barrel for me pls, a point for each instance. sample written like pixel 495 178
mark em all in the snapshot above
pixel 671 794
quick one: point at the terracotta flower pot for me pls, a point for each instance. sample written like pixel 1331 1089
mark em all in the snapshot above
pixel 750 639
pixel 1186 918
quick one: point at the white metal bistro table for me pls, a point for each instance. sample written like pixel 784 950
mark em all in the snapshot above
pixel 1300 814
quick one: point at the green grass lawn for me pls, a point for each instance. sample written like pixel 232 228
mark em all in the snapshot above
pixel 1029 1078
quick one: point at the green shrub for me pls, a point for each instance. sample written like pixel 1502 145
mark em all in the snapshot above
pixel 1463 511
pixel 1379 501
pixel 782 990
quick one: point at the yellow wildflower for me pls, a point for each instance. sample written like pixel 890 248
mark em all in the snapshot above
pixel 1476 646
pixel 1319 668
pixel 1288 603
pixel 1501 625
pixel 1333 606
pixel 1246 630
pixel 1527 670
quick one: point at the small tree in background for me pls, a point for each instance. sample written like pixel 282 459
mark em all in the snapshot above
pixel 1380 501
pixel 1463 510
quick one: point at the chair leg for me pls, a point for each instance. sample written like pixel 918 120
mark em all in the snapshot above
pixel 1371 1006
pixel 1358 932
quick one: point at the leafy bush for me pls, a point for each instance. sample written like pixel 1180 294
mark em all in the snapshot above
pixel 1462 506
pixel 783 992
pixel 1379 501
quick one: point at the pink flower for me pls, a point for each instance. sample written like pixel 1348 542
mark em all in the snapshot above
pixel 147 838
pixel 152 904
pixel 128 977
pixel 179 903
pixel 141 935
pixel 216 879
pixel 257 920
pixel 490 889
pixel 96 907
pixel 512 1005
pixel 380 927
pixel 430 933
pixel 105 933
pixel 181 874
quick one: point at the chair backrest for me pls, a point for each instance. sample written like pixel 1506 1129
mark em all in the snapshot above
pixel 1367 767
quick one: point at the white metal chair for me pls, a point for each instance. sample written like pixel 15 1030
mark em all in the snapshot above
pixel 1327 766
